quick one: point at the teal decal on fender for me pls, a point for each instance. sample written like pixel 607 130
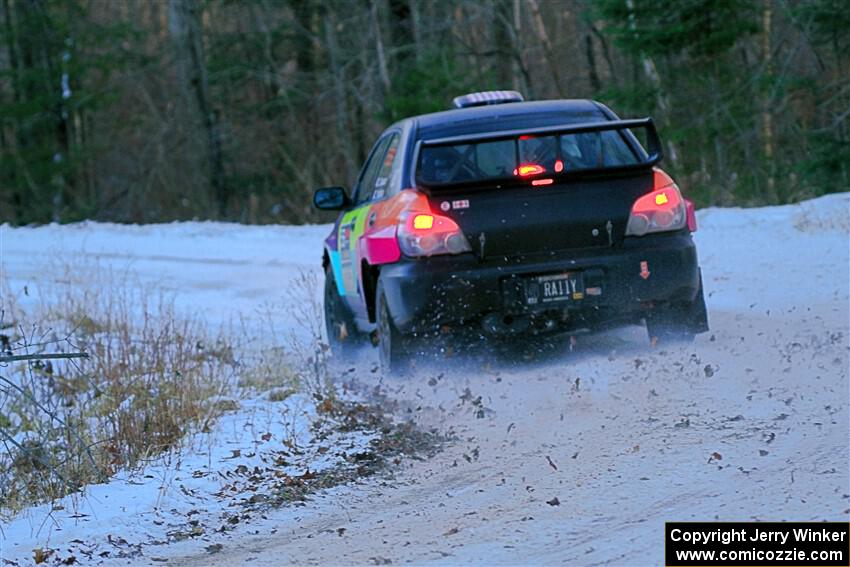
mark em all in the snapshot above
pixel 336 266
pixel 351 228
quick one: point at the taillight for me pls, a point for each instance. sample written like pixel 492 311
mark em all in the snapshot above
pixel 659 211
pixel 423 234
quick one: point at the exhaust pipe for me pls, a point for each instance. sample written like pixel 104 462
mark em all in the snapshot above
pixel 505 324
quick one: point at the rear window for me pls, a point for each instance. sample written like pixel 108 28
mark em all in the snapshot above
pixel 491 160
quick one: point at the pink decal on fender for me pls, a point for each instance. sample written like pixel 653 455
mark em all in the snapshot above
pixel 691 216
pixel 381 246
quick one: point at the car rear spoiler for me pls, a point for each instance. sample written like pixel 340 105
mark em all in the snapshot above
pixel 654 152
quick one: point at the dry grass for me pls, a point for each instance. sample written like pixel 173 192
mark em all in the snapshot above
pixel 301 346
pixel 153 377
pixel 150 381
pixel 812 219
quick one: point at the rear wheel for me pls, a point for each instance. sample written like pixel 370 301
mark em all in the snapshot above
pixel 339 323
pixel 391 343
pixel 679 322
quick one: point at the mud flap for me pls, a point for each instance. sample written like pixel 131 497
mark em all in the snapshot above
pixel 679 322
pixel 698 314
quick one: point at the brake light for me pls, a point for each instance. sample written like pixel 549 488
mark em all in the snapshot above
pixel 430 235
pixel 527 169
pixel 661 210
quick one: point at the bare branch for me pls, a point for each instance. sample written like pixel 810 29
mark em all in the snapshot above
pixel 57 419
pixel 47 356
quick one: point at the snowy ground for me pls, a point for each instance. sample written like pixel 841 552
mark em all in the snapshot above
pixel 220 480
pixel 749 422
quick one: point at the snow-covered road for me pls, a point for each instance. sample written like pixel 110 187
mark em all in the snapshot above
pixel 579 458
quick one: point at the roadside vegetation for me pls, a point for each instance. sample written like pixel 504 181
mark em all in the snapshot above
pixel 150 379
pixel 154 383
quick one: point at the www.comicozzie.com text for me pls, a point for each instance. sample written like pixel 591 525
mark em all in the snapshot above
pixel 727 536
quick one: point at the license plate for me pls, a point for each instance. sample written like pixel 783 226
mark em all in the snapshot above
pixel 566 286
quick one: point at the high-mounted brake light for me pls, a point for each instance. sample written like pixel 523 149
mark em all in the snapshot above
pixel 661 210
pixel 527 169
pixel 430 235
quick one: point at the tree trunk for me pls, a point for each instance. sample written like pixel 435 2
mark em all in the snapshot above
pixel 340 95
pixel 651 73
pixel 400 27
pixel 543 37
pixel 416 28
pixel 186 32
pixel 11 46
pixel 521 79
pixel 592 75
pixel 505 64
pixel 767 115
pixel 14 139
pixel 606 54
pixel 383 70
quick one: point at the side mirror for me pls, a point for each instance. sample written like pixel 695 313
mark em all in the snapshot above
pixel 331 199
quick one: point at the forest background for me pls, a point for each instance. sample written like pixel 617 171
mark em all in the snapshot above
pixel 160 110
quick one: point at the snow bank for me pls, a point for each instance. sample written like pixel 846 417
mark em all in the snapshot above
pixel 787 253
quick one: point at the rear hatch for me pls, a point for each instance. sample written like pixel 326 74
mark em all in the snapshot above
pixel 543 190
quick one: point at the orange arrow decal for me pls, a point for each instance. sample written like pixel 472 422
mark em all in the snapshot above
pixel 644 270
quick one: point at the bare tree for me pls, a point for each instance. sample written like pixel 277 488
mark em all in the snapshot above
pixel 185 26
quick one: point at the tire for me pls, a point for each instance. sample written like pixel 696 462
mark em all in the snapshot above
pixel 679 322
pixel 340 327
pixel 391 343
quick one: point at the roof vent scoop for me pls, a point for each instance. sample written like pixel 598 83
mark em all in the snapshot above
pixel 486 97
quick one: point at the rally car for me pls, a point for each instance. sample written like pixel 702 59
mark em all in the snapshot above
pixel 510 218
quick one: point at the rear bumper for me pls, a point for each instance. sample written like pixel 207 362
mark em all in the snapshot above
pixel 424 294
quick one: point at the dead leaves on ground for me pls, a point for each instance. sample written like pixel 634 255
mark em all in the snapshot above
pixel 40 555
